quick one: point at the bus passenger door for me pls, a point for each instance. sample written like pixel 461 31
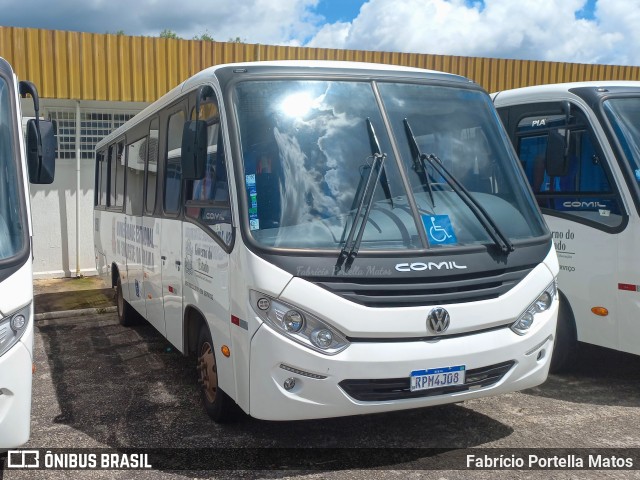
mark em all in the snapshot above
pixel 207 238
pixel 582 207
pixel 152 224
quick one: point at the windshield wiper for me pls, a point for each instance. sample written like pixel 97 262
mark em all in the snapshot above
pixel 418 164
pixel 496 234
pixel 351 245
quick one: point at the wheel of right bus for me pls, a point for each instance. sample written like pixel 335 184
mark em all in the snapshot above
pixel 566 341
pixel 218 405
pixel 125 313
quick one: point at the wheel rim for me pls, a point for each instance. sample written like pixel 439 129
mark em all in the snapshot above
pixel 208 372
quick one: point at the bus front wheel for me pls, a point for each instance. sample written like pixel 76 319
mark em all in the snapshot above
pixel 218 405
pixel 125 313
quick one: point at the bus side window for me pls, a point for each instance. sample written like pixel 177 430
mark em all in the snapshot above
pixel 104 179
pixel 173 169
pixel 584 190
pixel 135 176
pixel 117 162
pixel 208 199
pixel 100 161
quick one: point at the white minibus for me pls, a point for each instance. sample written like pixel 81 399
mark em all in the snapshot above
pixel 329 239
pixel 18 165
pixel 579 144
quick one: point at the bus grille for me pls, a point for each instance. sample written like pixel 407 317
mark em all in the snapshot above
pixel 379 390
pixel 421 291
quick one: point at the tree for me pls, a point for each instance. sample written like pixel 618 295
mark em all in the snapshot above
pixel 237 40
pixel 205 37
pixel 118 32
pixel 166 33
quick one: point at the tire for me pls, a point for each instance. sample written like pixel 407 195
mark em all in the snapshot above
pixel 126 315
pixel 218 405
pixel 566 341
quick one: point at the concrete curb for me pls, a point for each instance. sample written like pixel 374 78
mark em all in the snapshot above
pixel 74 313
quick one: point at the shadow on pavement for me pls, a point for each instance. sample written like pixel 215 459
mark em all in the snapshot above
pixel 597 376
pixel 130 388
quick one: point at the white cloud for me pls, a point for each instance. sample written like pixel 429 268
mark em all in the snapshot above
pixel 525 29
pixel 256 21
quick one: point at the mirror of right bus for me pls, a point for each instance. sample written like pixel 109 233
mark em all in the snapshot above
pixel 556 158
pixel 194 149
pixel 41 157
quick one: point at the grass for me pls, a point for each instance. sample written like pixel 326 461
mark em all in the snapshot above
pixel 73 300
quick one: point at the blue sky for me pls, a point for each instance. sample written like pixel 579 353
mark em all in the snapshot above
pixel 583 31
pixel 339 10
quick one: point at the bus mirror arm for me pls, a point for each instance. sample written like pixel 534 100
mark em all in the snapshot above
pixel 40 141
pixel 556 157
pixel 194 140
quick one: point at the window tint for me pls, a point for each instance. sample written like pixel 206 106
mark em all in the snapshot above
pixel 583 188
pixel 100 161
pixel 136 153
pixel 152 165
pixel 173 177
pixel 208 199
pixel 12 230
pixel 117 174
pixel 104 179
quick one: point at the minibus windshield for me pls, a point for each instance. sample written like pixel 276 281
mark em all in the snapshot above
pixel 624 116
pixel 307 152
pixel 12 234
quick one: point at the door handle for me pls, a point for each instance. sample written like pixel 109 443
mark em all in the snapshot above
pixel 178 262
pixel 163 257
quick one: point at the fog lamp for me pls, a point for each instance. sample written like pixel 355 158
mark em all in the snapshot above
pixel 322 338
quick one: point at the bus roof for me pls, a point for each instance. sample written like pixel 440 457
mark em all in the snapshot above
pixel 540 92
pixel 322 67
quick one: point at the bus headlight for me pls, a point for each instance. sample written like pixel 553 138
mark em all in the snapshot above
pixel 12 327
pixel 540 304
pixel 298 325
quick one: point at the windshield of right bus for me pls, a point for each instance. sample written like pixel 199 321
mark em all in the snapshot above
pixel 624 115
pixel 11 229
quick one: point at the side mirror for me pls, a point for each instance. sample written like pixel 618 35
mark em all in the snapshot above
pixel 556 158
pixel 41 151
pixel 194 149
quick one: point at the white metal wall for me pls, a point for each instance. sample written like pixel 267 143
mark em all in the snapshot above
pixel 53 207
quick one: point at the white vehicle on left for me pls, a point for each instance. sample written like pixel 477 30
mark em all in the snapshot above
pixel 23 159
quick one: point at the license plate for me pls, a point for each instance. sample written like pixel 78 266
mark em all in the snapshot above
pixel 437 377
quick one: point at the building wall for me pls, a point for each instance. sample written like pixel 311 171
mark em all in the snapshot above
pixel 53 207
pixel 88 66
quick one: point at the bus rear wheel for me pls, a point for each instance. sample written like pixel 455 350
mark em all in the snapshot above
pixel 218 405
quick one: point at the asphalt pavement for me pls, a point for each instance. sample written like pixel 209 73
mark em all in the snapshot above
pixel 101 385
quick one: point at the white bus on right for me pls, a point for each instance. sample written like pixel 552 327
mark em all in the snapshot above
pixel 579 144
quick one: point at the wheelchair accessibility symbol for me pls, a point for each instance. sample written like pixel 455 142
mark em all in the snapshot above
pixel 439 230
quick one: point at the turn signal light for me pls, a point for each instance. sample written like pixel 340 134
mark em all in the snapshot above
pixel 225 351
pixel 600 311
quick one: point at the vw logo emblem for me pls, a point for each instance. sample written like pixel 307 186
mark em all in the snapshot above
pixel 438 320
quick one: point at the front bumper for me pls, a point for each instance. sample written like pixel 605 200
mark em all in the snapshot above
pixel 275 358
pixel 15 393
